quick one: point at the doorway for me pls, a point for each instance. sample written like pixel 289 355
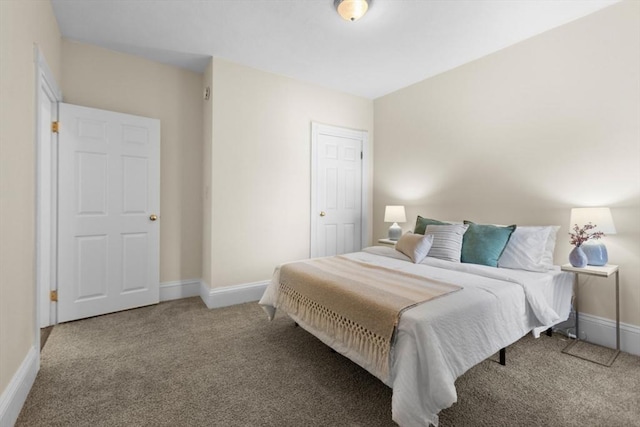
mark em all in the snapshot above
pixel 338 190
pixel 113 266
pixel 48 95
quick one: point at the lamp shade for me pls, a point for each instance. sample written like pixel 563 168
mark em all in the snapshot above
pixel 600 217
pixel 394 214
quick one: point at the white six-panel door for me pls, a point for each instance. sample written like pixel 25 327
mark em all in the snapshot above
pixel 337 212
pixel 108 197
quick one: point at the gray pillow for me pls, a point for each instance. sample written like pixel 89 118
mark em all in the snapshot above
pixel 447 241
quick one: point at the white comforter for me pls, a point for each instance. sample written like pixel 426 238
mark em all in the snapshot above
pixel 440 340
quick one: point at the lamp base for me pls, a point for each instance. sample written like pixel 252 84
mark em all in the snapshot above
pixel 395 231
pixel 596 253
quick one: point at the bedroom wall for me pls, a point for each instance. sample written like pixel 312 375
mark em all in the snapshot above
pixel 522 136
pixel 101 78
pixel 260 167
pixel 21 25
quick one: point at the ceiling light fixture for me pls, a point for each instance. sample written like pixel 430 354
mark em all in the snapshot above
pixel 351 10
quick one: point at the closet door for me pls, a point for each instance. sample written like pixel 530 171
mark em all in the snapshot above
pixel 108 212
pixel 337 214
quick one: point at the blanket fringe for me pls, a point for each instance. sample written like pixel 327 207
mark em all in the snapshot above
pixel 374 348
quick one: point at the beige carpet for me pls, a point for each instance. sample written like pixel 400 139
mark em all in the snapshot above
pixel 180 364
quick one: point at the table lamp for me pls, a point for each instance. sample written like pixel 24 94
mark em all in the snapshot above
pixel 394 214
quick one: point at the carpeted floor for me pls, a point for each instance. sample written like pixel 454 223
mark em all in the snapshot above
pixel 181 364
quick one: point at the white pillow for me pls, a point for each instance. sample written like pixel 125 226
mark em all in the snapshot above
pixel 447 241
pixel 415 246
pixel 547 258
pixel 530 248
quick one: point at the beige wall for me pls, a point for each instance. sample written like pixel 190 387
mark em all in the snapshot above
pixel 261 158
pixel 22 23
pixel 523 135
pixel 100 78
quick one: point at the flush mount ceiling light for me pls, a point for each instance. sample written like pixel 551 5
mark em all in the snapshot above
pixel 351 10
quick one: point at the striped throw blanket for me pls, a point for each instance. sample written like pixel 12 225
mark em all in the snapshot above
pixel 357 303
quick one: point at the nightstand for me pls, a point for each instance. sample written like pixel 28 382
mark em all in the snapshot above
pixel 604 271
pixel 388 242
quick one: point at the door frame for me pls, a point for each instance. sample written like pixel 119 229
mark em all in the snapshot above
pixel 318 129
pixel 45 225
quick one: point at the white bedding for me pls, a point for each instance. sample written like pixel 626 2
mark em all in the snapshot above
pixel 440 340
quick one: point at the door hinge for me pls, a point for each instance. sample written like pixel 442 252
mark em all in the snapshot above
pixel 53 296
pixel 361 155
pixel 55 126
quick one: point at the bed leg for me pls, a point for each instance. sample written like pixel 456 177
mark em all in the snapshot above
pixel 503 356
pixel 550 332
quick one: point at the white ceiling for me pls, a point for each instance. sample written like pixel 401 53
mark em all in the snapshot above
pixel 397 43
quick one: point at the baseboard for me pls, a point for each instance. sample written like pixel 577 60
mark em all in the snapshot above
pixel 232 295
pixel 601 331
pixel 179 289
pixel 14 396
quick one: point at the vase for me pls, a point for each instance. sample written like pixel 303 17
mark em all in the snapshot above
pixel 596 253
pixel 578 258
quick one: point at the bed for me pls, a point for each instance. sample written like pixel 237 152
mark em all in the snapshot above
pixel 437 341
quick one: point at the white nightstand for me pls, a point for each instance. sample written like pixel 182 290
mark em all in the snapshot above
pixel 388 242
pixel 604 271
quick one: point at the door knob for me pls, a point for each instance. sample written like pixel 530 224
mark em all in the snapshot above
pixel 323 213
pixel 153 217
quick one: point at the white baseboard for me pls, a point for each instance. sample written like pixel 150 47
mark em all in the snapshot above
pixel 601 331
pixel 213 298
pixel 232 295
pixel 13 397
pixel 179 289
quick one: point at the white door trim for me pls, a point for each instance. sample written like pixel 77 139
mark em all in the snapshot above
pixel 45 201
pixel 316 130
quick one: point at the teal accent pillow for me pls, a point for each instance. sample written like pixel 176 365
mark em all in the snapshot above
pixel 483 244
pixel 421 224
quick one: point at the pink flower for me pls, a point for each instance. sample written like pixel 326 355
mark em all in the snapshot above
pixel 581 235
